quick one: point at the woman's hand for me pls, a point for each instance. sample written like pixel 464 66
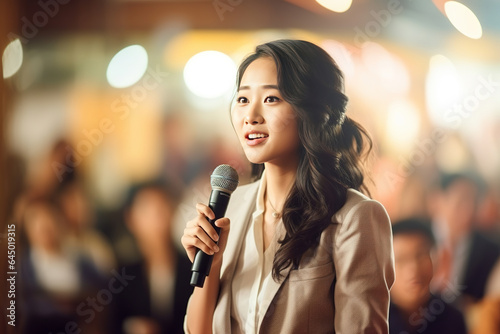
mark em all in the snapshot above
pixel 199 234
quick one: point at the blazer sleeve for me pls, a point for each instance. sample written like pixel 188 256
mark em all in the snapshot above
pixel 364 264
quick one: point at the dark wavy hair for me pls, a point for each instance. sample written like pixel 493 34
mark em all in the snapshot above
pixel 333 146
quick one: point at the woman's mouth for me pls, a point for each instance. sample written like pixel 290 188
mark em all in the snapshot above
pixel 253 139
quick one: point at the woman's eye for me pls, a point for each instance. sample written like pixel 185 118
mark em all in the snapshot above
pixel 271 99
pixel 242 99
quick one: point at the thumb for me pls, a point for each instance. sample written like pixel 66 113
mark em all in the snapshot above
pixel 223 224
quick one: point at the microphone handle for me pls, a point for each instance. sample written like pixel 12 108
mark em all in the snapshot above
pixel 203 262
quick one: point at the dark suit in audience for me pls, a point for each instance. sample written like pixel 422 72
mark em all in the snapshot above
pixel 436 317
pixel 155 300
pixel 482 258
pixel 136 300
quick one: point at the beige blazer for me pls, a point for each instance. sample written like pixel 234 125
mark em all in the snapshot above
pixel 340 287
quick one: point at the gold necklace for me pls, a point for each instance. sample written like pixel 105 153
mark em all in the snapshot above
pixel 275 214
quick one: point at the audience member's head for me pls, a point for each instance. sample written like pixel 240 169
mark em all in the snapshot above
pixel 53 170
pixel 149 215
pixel 74 206
pixel 413 244
pixel 455 203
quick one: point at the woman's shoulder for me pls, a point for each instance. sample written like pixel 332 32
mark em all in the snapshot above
pixel 355 197
pixel 359 205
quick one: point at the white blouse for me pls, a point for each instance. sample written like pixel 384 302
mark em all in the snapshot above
pixel 253 272
pixel 56 273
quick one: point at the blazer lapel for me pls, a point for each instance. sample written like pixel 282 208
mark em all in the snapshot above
pixel 240 213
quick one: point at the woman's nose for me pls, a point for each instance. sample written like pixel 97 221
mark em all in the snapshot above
pixel 254 116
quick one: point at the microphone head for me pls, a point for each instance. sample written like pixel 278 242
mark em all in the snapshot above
pixel 224 178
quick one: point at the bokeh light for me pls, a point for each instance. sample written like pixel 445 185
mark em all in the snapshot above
pixel 127 66
pixel 210 74
pixel 403 124
pixel 442 88
pixel 338 6
pixel 463 19
pixel 12 58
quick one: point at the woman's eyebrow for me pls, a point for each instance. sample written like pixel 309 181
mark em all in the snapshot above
pixel 262 86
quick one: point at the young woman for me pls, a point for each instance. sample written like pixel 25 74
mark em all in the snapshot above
pixel 305 251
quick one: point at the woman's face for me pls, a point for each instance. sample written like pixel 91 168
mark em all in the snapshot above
pixel 266 125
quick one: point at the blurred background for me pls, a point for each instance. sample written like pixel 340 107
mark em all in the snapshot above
pixel 115 112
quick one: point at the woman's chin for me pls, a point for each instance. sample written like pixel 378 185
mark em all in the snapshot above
pixel 255 159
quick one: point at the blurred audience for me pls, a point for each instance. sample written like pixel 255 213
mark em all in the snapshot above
pixel 77 212
pixel 488 316
pixel 66 259
pixel 54 277
pixel 183 156
pixel 154 302
pixel 466 257
pixel 488 219
pixel 493 284
pixel 43 179
pixel 487 313
pixel 413 308
pixel 54 169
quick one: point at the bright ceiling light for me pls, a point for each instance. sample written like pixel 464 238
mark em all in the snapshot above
pixel 338 6
pixel 210 74
pixel 12 58
pixel 127 66
pixel 463 19
pixel 442 88
pixel 403 124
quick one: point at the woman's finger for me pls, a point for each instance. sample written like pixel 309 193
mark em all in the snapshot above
pixel 205 211
pixel 223 224
pixel 192 244
pixel 205 225
pixel 200 234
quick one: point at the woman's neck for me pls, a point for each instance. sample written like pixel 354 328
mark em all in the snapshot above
pixel 279 182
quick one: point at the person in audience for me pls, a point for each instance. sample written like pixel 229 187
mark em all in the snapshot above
pixel 78 215
pixel 53 170
pixel 155 300
pixel 413 308
pixel 54 278
pixel 465 256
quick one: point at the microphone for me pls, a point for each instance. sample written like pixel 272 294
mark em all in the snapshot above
pixel 224 181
